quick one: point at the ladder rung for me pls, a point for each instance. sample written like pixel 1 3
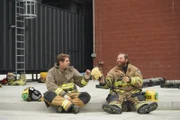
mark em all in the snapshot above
pixel 20 7
pixel 20 55
pixel 20 49
pixel 20 21
pixel 21 62
pixel 20 42
pixel 19 14
pixel 20 27
pixel 20 35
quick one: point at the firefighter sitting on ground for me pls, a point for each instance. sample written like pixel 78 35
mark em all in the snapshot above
pixel 61 82
pixel 125 84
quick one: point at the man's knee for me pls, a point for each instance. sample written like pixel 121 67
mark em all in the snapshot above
pixel 111 98
pixel 85 97
pixel 49 96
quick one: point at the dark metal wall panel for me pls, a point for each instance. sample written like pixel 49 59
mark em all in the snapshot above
pixel 54 31
pixel 7 46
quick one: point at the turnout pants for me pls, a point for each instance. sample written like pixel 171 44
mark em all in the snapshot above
pixel 77 98
pixel 126 101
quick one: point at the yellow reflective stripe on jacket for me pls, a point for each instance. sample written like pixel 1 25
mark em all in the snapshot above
pixel 67 86
pixel 83 82
pixel 122 91
pixel 135 80
pixel 58 91
pixel 135 91
pixel 120 83
pixel 117 90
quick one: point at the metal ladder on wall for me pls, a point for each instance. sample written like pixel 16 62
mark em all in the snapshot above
pixel 19 38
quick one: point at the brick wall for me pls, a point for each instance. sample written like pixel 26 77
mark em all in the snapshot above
pixel 147 30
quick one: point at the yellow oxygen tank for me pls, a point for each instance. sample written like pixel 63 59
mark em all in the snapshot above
pixel 151 95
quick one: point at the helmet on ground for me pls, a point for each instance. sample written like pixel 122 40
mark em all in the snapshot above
pixel 43 77
pixel 31 94
pixel 96 73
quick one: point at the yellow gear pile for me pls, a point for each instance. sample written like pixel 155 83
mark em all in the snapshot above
pixel 12 79
pixel 42 77
pixel 96 73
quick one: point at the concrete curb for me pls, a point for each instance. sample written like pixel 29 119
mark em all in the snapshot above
pixel 94 106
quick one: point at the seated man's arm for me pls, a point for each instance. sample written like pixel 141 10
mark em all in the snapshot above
pixel 107 82
pixel 79 79
pixel 136 80
pixel 52 86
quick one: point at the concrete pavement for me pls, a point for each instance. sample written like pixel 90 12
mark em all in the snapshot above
pixel 12 107
pixel 25 115
pixel 169 99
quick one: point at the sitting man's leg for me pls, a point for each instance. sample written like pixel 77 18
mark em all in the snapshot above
pixel 114 105
pixel 51 99
pixel 142 107
pixel 80 98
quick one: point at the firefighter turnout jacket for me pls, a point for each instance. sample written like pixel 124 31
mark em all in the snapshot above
pixel 63 81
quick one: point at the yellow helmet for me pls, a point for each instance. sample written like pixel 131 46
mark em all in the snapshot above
pixel 43 77
pixel 96 73
pixel 151 95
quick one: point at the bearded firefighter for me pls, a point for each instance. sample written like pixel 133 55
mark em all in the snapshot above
pixel 125 84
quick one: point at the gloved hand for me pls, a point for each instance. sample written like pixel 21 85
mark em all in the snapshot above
pixel 67 97
pixel 101 80
pixel 126 79
pixel 87 74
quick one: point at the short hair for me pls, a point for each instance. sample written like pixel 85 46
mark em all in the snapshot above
pixel 61 57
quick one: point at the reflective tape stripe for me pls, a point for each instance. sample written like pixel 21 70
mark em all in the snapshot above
pixel 65 103
pixel 67 86
pixel 133 81
pixel 83 82
pixel 135 91
pixel 58 90
pixel 120 83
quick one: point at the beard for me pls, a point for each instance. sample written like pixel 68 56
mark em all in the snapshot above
pixel 121 65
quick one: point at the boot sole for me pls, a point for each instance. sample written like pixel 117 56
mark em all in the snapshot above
pixel 76 110
pixel 145 109
pixel 109 109
pixel 59 109
pixel 153 106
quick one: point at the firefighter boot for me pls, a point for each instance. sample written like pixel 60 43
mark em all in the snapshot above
pixel 112 109
pixel 153 106
pixel 74 109
pixel 146 107
pixel 59 109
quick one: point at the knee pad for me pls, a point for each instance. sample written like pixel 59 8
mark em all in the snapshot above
pixel 85 97
pixel 49 96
